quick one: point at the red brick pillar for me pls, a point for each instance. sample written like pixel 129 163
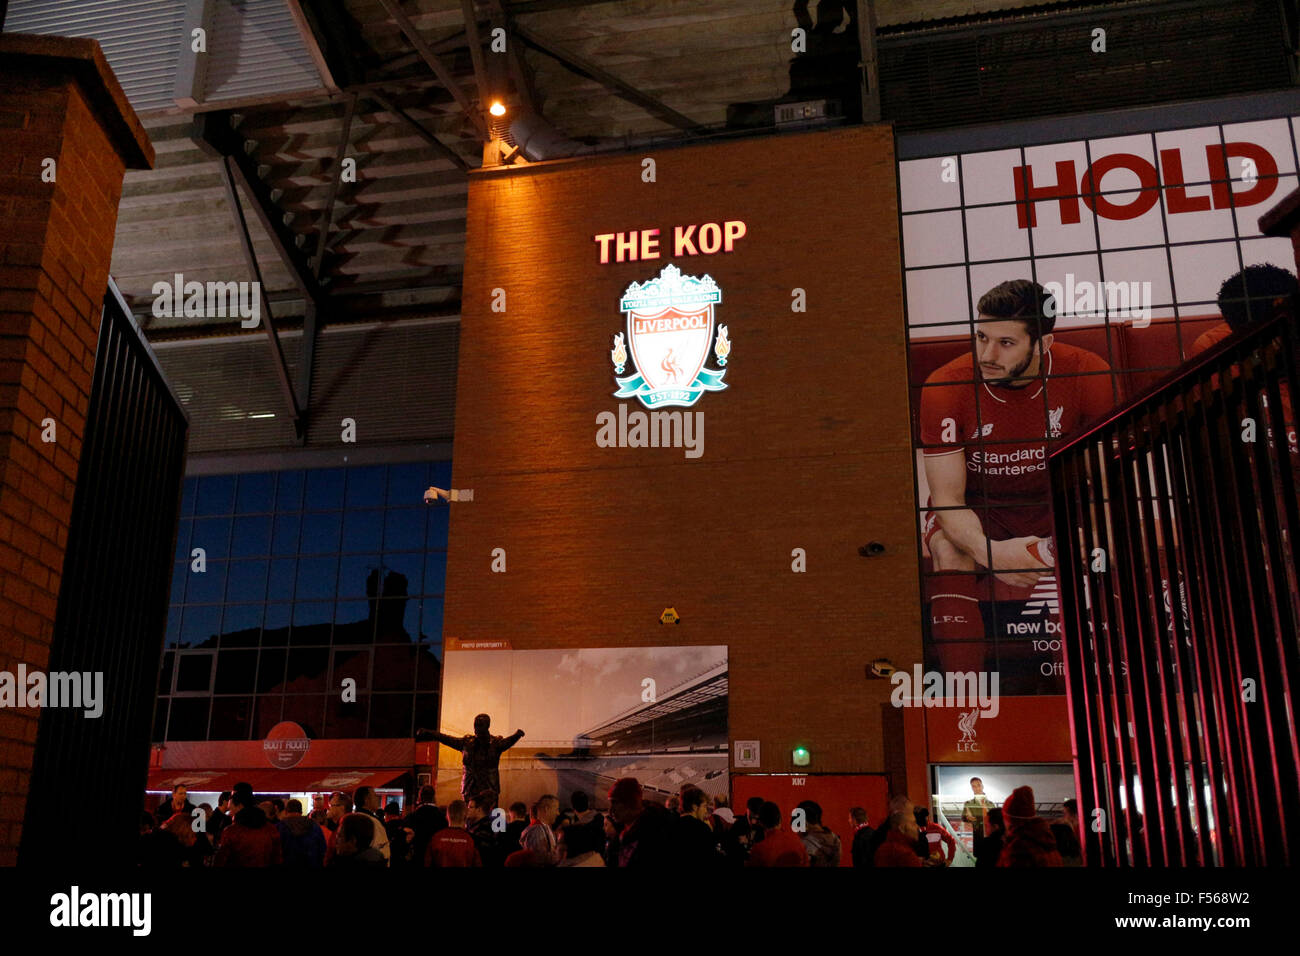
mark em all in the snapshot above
pixel 59 102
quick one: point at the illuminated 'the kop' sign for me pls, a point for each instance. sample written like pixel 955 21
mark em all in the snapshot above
pixel 670 316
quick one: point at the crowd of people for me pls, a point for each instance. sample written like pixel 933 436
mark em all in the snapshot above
pixel 689 828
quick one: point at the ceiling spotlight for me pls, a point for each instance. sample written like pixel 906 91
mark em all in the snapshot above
pixel 497 108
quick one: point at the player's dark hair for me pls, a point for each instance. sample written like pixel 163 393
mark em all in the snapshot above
pixel 858 815
pixel 769 815
pixel 1247 297
pixel 579 801
pixel 1020 299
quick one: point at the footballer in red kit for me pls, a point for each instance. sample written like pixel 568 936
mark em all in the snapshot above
pixel 986 466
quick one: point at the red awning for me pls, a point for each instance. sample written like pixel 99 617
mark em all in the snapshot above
pixel 270 781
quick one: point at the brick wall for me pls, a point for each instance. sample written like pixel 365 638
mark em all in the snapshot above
pixel 809 446
pixel 57 101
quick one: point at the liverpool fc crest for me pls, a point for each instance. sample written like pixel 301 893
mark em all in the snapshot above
pixel 669 333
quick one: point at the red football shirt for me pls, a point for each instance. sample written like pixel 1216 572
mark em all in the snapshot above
pixel 452 846
pixel 1001 431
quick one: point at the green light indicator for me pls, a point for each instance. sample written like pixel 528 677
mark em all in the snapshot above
pixel 801 756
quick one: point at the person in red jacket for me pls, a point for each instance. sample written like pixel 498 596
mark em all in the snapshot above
pixel 938 841
pixel 778 847
pixel 1029 839
pixel 251 840
pixel 452 845
pixel 899 848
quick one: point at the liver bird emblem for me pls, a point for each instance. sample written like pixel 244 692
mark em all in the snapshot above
pixel 966 724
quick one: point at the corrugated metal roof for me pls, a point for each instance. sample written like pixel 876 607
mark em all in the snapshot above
pixel 141 39
pixel 256 49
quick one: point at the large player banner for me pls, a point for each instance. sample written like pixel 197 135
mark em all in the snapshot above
pixel 1046 284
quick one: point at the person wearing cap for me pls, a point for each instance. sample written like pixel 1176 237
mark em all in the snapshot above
pixel 1029 840
pixel 644 829
pixel 480 753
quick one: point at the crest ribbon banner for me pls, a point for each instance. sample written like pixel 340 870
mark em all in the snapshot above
pixel 635 386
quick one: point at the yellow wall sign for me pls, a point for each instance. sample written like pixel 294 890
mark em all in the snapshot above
pixel 669 616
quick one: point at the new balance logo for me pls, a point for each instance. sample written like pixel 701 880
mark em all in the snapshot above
pixel 1043 598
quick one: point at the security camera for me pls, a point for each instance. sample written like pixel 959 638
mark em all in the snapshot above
pixel 433 494
pixel 871 549
pixel 880 667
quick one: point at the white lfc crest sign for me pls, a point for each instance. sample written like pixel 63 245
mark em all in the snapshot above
pixel 670 332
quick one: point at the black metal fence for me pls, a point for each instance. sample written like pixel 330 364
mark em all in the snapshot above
pixel 1177 522
pixel 88 772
